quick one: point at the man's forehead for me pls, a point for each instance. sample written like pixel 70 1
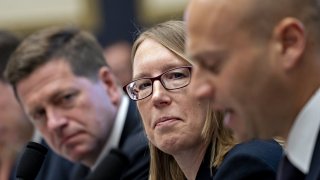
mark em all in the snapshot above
pixel 203 14
pixel 206 9
pixel 212 26
pixel 214 18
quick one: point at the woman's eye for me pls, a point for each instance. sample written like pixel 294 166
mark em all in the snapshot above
pixel 143 86
pixel 176 75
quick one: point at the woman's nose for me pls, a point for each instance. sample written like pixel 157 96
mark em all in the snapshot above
pixel 160 96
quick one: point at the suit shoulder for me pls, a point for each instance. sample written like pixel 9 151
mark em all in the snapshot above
pixel 257 147
pixel 251 160
pixel 269 152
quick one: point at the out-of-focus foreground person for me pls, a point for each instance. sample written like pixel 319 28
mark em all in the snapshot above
pixel 67 90
pixel 15 129
pixel 187 139
pixel 259 62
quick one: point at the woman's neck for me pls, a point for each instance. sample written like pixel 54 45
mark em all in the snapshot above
pixel 190 160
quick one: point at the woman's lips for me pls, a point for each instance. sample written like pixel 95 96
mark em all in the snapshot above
pixel 165 120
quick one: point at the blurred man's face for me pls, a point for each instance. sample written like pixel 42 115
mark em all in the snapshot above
pixel 74 114
pixel 231 68
pixel 15 129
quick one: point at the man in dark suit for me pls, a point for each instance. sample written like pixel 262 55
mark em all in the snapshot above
pixel 55 167
pixel 63 83
pixel 259 62
pixel 15 127
pixel 132 144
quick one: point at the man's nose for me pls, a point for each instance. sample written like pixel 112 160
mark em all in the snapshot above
pixel 55 119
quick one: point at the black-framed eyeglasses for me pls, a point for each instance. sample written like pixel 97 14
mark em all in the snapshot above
pixel 172 79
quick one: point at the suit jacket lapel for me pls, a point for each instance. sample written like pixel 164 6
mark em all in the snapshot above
pixel 314 172
pixel 132 123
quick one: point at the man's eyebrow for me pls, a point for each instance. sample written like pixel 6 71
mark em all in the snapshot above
pixel 198 58
pixel 215 55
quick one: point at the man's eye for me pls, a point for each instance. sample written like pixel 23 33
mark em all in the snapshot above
pixel 68 99
pixel 214 69
pixel 212 62
pixel 39 115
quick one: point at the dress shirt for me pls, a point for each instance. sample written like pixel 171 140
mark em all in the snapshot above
pixel 114 138
pixel 303 135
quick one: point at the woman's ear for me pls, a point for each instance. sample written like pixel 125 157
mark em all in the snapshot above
pixel 291 37
pixel 110 84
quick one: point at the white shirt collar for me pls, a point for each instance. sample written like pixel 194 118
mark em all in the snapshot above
pixel 303 134
pixel 36 137
pixel 114 138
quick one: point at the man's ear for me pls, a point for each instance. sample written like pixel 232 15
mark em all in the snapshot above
pixel 291 37
pixel 110 84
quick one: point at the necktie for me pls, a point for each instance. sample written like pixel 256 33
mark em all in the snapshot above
pixel 288 172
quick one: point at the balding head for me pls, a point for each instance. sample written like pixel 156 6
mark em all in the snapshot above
pixel 271 46
pixel 208 20
pixel 264 16
pixel 257 17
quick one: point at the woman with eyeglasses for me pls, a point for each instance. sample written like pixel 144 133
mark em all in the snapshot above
pixel 187 139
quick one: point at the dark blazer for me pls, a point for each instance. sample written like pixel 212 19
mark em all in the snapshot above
pixel 55 167
pixel 134 145
pixel 314 172
pixel 287 170
pixel 256 160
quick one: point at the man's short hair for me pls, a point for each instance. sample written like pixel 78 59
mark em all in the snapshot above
pixel 78 48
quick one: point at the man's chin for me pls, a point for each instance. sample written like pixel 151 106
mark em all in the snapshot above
pixel 75 156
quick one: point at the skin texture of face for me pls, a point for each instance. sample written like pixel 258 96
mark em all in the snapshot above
pixel 74 114
pixel 12 120
pixel 15 130
pixel 239 74
pixel 185 115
